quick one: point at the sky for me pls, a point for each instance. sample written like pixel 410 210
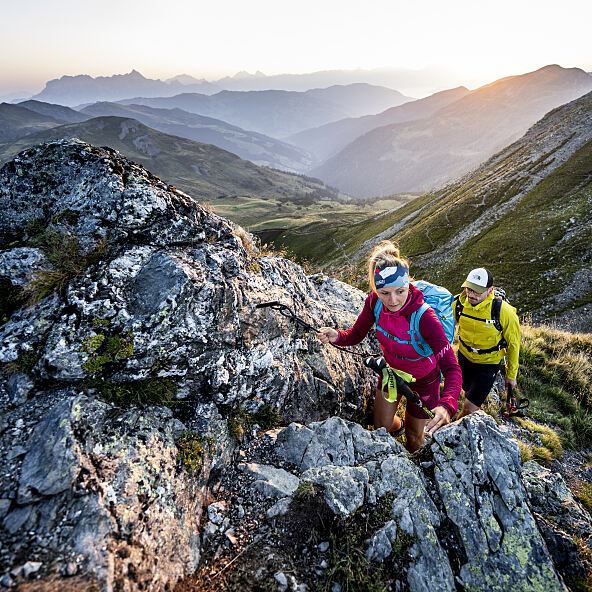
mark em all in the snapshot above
pixel 474 41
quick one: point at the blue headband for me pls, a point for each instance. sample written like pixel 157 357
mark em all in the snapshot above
pixel 391 277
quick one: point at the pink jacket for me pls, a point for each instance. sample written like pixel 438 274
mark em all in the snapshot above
pixel 396 323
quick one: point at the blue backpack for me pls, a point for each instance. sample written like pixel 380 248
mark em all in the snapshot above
pixel 435 297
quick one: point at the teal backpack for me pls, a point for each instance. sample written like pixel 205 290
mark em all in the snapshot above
pixel 435 297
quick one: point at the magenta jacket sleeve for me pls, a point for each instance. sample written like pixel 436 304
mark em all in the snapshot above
pixel 362 326
pixel 432 331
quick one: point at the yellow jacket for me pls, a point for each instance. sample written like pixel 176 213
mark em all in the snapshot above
pixel 482 335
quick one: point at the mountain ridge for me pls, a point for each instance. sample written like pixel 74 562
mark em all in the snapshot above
pixel 421 155
pixel 277 113
pixel 258 148
pixel 325 141
pixel 202 169
pixel 525 214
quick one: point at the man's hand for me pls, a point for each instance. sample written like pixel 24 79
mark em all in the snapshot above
pixel 512 383
pixel 441 418
pixel 327 335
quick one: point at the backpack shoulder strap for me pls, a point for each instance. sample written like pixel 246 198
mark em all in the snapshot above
pixel 496 307
pixel 458 307
pixel 377 309
pixel 417 341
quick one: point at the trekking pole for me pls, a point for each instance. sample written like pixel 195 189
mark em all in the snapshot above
pixel 510 400
pixel 514 408
pixel 287 312
pixel 379 365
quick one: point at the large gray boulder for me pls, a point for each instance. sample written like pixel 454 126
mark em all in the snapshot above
pixel 170 277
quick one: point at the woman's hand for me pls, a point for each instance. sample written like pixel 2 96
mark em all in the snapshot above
pixel 441 418
pixel 327 335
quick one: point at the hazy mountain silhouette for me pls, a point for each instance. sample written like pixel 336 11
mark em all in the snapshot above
pixel 77 90
pixel 419 155
pixel 329 139
pixel 258 148
pixel 83 89
pixel 524 214
pixel 58 112
pixel 279 113
pixel 17 121
pixel 421 82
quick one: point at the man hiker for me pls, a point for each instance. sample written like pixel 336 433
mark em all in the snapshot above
pixel 488 331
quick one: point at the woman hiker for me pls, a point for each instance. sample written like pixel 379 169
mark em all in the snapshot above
pixel 388 275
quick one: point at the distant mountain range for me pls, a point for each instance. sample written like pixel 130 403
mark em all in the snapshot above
pixel 82 89
pixel 329 139
pixel 76 90
pixel 204 171
pixel 279 113
pixel 422 154
pixel 366 140
pixel 258 148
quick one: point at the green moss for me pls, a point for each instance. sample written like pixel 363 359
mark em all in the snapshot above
pixel 105 348
pixel 92 343
pixel 121 348
pixel 96 364
pixel 191 452
pixel 305 491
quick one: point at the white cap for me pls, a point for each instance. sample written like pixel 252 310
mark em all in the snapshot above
pixel 479 280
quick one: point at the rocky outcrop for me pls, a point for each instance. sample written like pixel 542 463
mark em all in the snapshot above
pixel 456 517
pixel 122 290
pixel 131 349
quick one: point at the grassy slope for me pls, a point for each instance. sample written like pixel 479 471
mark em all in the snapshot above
pixel 335 235
pixel 556 375
pixel 533 244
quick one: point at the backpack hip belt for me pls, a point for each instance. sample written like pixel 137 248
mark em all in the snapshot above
pixel 501 345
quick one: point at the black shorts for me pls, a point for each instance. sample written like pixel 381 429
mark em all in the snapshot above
pixel 477 379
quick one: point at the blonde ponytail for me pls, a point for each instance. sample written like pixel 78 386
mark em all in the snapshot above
pixel 385 254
